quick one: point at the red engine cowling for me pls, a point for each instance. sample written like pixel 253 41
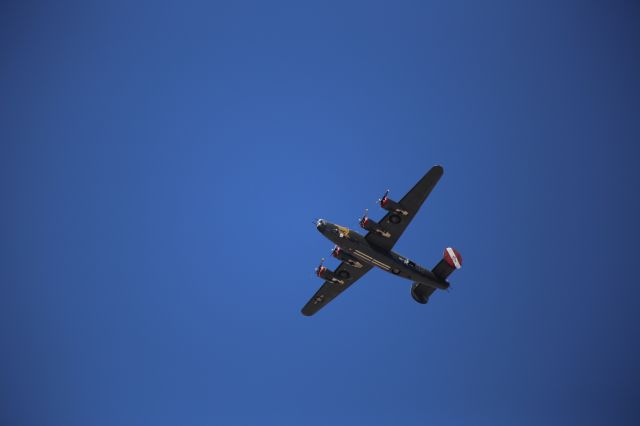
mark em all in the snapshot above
pixel 368 224
pixel 324 272
pixel 328 275
pixel 372 226
pixel 338 253
pixel 392 206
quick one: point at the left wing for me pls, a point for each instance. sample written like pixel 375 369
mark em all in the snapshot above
pixel 330 290
pixel 395 223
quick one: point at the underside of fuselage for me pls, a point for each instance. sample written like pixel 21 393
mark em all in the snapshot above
pixel 356 250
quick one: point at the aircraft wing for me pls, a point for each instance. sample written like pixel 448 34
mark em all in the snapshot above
pixel 330 290
pixel 394 223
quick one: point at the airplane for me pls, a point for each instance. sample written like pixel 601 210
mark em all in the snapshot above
pixel 360 253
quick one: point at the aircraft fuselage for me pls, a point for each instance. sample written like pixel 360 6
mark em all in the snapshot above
pixel 355 246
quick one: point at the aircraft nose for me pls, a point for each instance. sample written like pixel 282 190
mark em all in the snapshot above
pixel 320 224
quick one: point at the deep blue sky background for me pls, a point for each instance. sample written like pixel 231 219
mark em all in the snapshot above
pixel 160 166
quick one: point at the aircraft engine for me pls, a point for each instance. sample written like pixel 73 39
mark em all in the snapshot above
pixel 372 225
pixel 367 223
pixel 327 274
pixel 390 205
pixel 338 253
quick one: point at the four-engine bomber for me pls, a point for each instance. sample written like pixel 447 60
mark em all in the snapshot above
pixel 359 253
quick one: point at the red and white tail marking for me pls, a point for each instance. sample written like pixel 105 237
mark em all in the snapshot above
pixel 453 258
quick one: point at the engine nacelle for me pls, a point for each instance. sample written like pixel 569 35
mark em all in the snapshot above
pixel 338 253
pixel 372 225
pixel 392 206
pixel 368 224
pixel 328 275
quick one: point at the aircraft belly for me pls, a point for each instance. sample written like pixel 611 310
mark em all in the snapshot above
pixel 384 262
pixel 394 265
pixel 354 244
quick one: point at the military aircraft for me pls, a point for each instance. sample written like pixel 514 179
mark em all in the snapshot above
pixel 360 253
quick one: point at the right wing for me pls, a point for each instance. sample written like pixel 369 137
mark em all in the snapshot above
pixel 330 290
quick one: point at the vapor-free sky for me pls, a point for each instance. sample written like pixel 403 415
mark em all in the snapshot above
pixel 161 165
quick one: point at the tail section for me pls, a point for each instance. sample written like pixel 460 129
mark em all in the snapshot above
pixel 451 260
pixel 421 292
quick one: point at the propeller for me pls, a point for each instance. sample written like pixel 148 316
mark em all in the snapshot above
pixel 364 217
pixel 320 266
pixel 384 197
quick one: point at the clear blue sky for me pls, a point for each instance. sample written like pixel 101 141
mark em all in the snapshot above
pixel 160 166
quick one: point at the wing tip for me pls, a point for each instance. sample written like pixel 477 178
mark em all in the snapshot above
pixel 437 169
